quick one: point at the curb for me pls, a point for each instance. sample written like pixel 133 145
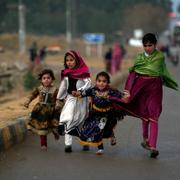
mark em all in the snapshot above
pixel 13 133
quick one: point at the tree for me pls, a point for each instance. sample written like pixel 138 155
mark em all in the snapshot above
pixel 147 17
pixel 3 9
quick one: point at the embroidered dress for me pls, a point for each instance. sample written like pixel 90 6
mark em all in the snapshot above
pixel 102 116
pixel 44 118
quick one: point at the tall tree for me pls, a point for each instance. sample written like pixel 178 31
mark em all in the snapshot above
pixel 146 17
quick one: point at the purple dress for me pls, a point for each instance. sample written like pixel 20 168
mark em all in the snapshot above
pixel 146 96
pixel 102 117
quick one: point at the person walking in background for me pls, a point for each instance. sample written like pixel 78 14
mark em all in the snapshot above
pixel 42 53
pixel 143 91
pixel 103 116
pixel 33 52
pixel 107 60
pixel 75 76
pixel 116 58
pixel 44 117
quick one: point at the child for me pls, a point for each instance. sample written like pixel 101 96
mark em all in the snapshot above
pixel 102 116
pixel 44 116
pixel 143 90
pixel 74 77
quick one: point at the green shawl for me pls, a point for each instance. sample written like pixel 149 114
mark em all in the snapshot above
pixel 154 65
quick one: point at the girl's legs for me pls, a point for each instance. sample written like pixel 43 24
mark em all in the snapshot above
pixel 68 143
pixel 153 134
pixel 145 128
pixel 43 139
pixel 153 139
pixel 150 135
pixel 113 139
pixel 56 134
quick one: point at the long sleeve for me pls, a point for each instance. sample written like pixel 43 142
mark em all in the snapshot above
pixel 62 93
pixel 32 96
pixel 83 84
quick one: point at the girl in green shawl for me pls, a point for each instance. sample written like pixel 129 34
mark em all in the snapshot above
pixel 143 91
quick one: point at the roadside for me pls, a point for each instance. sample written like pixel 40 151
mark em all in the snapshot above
pixel 13 115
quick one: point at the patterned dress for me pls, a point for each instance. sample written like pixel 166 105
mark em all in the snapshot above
pixel 102 116
pixel 44 118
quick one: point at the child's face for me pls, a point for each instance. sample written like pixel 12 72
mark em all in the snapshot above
pixel 46 80
pixel 70 62
pixel 149 48
pixel 101 82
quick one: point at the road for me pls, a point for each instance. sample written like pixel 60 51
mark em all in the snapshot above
pixel 126 160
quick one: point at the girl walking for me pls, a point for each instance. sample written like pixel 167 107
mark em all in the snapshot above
pixel 44 117
pixel 102 116
pixel 143 91
pixel 75 77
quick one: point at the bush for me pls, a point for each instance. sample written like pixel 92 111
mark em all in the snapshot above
pixel 30 81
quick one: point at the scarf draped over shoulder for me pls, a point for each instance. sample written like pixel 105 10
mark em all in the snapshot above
pixel 154 65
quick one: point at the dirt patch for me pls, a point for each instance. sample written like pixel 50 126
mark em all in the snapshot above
pixel 11 104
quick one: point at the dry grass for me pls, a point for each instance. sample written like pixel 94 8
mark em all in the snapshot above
pixel 11 104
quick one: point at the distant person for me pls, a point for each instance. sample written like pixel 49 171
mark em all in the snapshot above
pixel 144 92
pixel 75 76
pixel 107 60
pixel 116 58
pixel 44 117
pixel 42 53
pixel 33 52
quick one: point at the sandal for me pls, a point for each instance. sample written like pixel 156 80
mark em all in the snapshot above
pixel 100 152
pixel 154 153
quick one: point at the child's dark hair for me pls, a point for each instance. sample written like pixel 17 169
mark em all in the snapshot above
pixel 104 74
pixel 149 38
pixel 46 71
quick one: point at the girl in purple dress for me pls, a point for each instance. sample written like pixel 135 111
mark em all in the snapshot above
pixel 102 116
pixel 143 91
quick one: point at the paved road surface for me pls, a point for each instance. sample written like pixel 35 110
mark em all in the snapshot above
pixel 126 160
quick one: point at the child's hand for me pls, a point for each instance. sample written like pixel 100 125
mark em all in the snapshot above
pixel 76 93
pixel 126 96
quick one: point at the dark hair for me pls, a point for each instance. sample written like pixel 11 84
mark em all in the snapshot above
pixel 104 74
pixel 46 71
pixel 149 38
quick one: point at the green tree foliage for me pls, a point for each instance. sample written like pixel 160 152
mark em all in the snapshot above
pixel 49 16
pixel 152 20
pixel 3 9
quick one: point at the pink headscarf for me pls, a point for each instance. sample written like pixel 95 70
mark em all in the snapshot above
pixel 81 70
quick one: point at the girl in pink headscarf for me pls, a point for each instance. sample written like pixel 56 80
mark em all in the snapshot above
pixel 116 58
pixel 75 77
